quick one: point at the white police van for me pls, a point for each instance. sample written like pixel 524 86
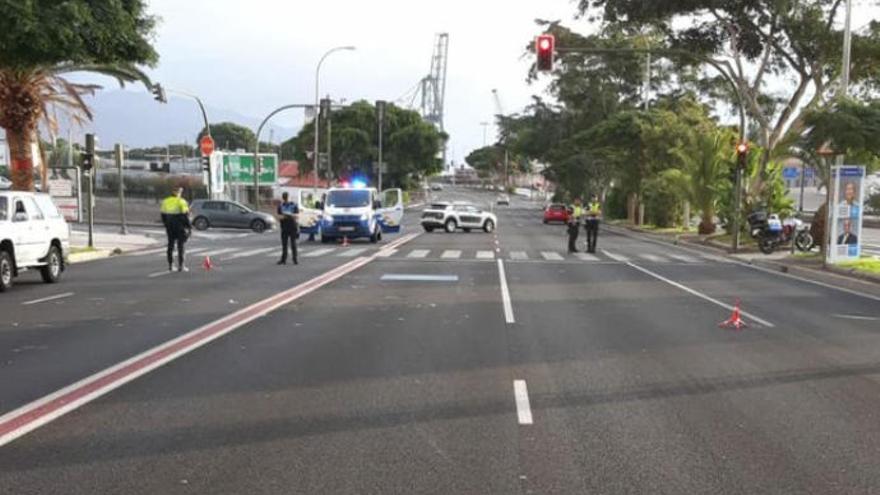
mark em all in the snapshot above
pixel 355 212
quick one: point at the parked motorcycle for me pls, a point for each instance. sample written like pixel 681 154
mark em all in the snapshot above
pixel 770 232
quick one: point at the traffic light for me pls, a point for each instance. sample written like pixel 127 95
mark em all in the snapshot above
pixel 325 108
pixel 742 154
pixel 88 159
pixel 545 46
pixel 159 93
pixel 206 163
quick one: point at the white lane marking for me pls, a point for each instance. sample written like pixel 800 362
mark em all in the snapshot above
pixel 46 299
pixel 252 252
pixel 319 252
pixel 653 258
pixel 351 252
pixel 616 257
pixel 159 274
pixel 149 252
pixel 523 408
pixel 451 254
pixel 857 317
pixel 586 257
pixel 505 294
pixel 485 255
pixel 404 277
pixel 551 256
pixel 217 252
pixel 188 251
pixel 684 257
pixel 419 253
pixel 386 253
pixel 699 294
pixel 518 255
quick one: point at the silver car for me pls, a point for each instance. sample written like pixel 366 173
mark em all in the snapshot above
pixel 207 213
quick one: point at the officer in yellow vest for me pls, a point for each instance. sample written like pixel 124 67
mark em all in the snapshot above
pixel 591 223
pixel 575 212
pixel 175 216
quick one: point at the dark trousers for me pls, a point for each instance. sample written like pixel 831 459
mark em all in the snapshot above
pixel 179 239
pixel 572 237
pixel 592 228
pixel 288 236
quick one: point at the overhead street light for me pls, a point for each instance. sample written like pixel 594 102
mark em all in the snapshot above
pixel 317 103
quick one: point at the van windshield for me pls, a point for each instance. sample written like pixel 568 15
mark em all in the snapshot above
pixel 348 198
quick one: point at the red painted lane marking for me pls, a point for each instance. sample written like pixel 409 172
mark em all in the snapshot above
pixel 42 411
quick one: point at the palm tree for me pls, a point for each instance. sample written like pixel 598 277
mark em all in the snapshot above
pixel 32 95
pixel 705 165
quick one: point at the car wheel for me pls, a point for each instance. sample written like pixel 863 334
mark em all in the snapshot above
pixel 52 271
pixel 201 223
pixel 6 271
pixel 450 226
pixel 546 221
pixel 258 226
pixel 375 237
pixel 428 228
pixel 489 226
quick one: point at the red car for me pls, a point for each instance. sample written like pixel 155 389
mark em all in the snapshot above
pixel 556 212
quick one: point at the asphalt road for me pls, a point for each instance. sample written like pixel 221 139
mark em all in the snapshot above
pixel 438 363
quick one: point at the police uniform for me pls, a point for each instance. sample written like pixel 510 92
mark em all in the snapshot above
pixel 591 225
pixel 574 227
pixel 289 233
pixel 175 217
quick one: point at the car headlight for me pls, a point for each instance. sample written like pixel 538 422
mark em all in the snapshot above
pixel 328 218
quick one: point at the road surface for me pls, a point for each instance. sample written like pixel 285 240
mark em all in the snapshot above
pixel 437 363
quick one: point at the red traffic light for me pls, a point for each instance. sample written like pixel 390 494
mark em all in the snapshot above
pixel 545 45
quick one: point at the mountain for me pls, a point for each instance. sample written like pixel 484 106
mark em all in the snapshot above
pixel 138 121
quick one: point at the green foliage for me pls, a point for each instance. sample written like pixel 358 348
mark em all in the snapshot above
pixel 487 161
pixel 663 198
pixel 230 136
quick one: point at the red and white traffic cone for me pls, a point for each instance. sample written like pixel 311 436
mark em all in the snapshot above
pixel 207 265
pixel 735 321
pixel 345 241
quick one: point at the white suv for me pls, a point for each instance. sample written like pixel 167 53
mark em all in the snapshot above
pixel 453 216
pixel 33 234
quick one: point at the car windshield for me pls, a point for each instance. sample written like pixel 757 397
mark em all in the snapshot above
pixel 349 198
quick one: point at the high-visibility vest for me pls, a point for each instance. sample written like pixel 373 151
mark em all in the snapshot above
pixel 595 209
pixel 578 211
pixel 172 205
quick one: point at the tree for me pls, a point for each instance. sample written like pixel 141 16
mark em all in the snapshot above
pixel 231 136
pixel 42 42
pixel 706 168
pixel 759 46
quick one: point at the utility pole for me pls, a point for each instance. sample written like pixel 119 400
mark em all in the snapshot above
pixel 120 165
pixel 647 89
pixel 380 117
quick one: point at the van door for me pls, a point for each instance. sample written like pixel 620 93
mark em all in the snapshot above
pixel 25 222
pixel 309 214
pixel 390 215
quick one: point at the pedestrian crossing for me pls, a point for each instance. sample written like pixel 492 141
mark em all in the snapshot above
pixel 414 254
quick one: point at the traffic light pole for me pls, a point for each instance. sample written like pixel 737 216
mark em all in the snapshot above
pixel 119 166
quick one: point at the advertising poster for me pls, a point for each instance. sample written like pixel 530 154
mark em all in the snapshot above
pixel 846 224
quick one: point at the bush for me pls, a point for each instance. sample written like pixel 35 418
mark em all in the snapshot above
pixel 662 202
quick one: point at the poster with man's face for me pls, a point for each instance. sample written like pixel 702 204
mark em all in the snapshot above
pixel 847 212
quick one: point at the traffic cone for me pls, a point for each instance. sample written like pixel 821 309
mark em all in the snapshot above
pixel 207 265
pixel 345 241
pixel 735 320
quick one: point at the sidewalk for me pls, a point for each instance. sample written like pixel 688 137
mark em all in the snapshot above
pixel 108 242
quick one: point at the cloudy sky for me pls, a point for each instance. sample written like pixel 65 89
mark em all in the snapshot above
pixel 254 56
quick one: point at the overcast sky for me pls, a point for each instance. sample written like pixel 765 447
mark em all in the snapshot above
pixel 254 56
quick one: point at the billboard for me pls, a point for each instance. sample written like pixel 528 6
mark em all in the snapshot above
pixel 238 169
pixel 64 188
pixel 847 207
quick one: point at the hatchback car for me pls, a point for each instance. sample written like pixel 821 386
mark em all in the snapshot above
pixel 453 216
pixel 503 199
pixel 556 212
pixel 229 214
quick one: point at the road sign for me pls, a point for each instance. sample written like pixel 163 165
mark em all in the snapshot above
pixel 207 145
pixel 239 169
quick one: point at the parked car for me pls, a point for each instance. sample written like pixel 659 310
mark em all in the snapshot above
pixel 33 235
pixel 556 212
pixel 207 213
pixel 453 216
pixel 436 187
pixel 5 183
pixel 503 199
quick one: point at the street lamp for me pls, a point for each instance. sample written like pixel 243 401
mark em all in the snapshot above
pixel 160 93
pixel 317 102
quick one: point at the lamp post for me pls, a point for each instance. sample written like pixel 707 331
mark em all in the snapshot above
pixel 160 95
pixel 317 102
pixel 257 167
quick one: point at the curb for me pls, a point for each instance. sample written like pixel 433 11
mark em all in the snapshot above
pixel 85 257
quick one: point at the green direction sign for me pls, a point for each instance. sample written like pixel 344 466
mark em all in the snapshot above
pixel 238 169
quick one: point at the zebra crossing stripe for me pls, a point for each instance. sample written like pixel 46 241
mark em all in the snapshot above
pixel 551 256
pixel 586 257
pixel 653 258
pixel 485 255
pixel 451 254
pixel 518 255
pixel 351 252
pixel 252 252
pixel 387 253
pixel 319 252
pixel 616 257
pixel 419 253
pixel 685 258
pixel 217 252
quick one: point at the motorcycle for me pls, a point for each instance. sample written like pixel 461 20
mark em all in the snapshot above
pixel 770 232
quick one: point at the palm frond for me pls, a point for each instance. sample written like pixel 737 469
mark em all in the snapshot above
pixel 123 73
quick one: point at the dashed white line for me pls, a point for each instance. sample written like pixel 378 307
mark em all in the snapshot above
pixel 419 253
pixel 505 294
pixel 523 408
pixel 857 317
pixel 551 256
pixel 159 274
pixel 518 255
pixel 485 255
pixel 47 299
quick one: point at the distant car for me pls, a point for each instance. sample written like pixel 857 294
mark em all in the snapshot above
pixel 5 183
pixel 453 216
pixel 207 213
pixel 556 212
pixel 503 199
pixel 33 234
pixel 436 187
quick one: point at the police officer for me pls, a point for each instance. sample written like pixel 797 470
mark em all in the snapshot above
pixel 591 223
pixel 311 204
pixel 575 212
pixel 287 215
pixel 175 217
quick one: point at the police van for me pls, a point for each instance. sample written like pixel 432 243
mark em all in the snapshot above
pixel 352 213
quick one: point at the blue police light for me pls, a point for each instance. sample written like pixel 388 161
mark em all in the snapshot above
pixel 358 183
